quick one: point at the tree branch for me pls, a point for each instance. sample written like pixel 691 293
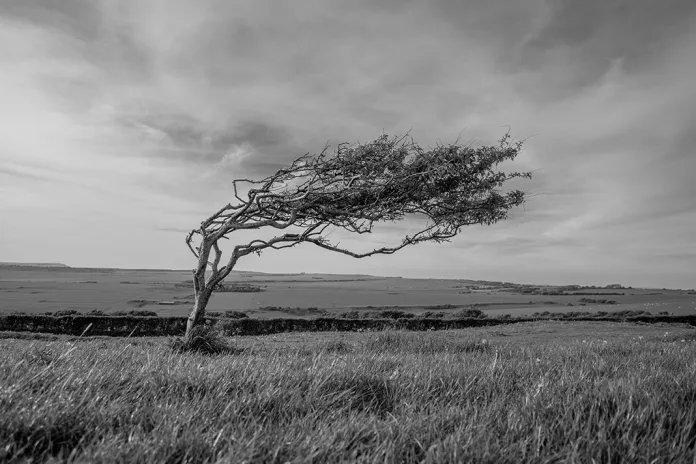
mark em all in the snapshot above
pixel 451 186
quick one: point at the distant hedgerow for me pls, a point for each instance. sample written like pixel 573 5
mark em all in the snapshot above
pixel 135 313
pixel 470 313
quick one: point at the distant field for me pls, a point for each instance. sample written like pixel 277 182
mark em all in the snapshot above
pixel 38 290
pixel 524 393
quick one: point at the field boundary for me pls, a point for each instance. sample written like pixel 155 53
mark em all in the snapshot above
pixel 122 326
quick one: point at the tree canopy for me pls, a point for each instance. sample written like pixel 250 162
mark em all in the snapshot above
pixel 357 186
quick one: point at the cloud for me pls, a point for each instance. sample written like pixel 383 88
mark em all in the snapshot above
pixel 177 230
pixel 10 171
pixel 131 118
pixel 582 41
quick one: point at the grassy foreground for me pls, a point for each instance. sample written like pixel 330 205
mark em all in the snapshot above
pixel 364 397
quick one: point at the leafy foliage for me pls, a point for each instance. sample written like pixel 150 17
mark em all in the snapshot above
pixel 385 180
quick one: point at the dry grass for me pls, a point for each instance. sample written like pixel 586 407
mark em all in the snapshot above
pixel 372 397
pixel 204 340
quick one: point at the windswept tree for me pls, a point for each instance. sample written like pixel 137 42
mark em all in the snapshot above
pixel 353 188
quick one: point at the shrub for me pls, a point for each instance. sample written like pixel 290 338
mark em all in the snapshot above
pixel 432 315
pixel 597 301
pixel 630 313
pixel 135 313
pixel 142 313
pixel 349 315
pixel 470 313
pixel 575 314
pixel 390 314
pixel 441 306
pixel 238 288
pixel 175 326
pixel 236 314
pixel 66 312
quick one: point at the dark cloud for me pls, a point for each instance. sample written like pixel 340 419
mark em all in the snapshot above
pixel 635 30
pixel 498 24
pixel 109 45
pixel 588 37
pixel 77 18
pixel 258 134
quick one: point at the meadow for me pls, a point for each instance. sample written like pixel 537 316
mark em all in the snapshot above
pixel 529 392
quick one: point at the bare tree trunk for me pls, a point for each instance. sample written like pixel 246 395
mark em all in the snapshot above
pixel 197 314
pixel 202 291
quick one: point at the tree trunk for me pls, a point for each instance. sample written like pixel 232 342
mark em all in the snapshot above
pixel 197 314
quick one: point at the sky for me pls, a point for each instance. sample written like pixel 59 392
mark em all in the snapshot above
pixel 123 123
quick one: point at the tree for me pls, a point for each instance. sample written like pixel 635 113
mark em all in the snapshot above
pixel 388 179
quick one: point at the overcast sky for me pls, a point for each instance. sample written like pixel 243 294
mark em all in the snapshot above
pixel 123 122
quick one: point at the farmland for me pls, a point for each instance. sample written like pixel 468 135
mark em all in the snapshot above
pixel 35 290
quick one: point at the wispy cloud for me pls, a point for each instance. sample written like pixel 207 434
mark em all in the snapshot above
pixel 123 121
pixel 13 172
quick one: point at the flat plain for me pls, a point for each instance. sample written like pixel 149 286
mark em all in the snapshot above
pixel 168 293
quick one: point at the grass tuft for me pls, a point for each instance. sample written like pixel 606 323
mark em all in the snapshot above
pixel 338 347
pixel 361 392
pixel 41 355
pixel 204 340
pixel 410 342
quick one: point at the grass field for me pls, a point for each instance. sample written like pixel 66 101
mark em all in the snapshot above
pixel 532 392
